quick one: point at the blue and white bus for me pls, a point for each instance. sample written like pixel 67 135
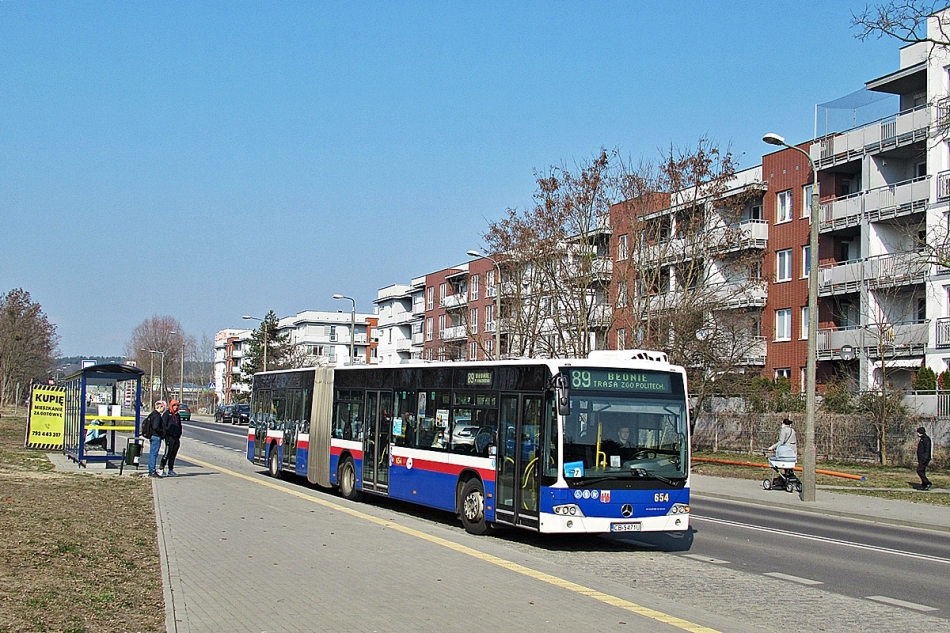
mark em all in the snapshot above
pixel 589 445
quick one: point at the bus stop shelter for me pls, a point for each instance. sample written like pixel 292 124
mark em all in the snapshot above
pixel 101 400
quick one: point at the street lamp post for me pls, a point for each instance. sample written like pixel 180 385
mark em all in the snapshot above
pixel 352 323
pixel 474 253
pixel 151 375
pixel 161 384
pixel 181 380
pixel 808 454
pixel 264 330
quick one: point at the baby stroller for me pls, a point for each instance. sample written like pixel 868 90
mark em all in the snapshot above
pixel 785 478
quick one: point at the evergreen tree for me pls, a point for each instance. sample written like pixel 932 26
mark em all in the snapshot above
pixel 278 349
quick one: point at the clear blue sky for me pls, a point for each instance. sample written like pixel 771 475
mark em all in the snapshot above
pixel 208 160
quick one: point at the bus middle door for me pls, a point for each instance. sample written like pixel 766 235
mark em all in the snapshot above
pixel 376 434
pixel 519 445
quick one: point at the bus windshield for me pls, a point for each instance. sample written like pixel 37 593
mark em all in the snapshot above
pixel 610 437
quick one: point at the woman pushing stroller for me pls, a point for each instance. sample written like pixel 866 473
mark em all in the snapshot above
pixel 786 453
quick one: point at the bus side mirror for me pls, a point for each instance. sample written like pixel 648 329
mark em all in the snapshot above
pixel 561 395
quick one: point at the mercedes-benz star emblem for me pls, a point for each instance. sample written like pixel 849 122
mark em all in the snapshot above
pixel 626 510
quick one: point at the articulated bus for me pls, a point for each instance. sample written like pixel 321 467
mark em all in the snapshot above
pixel 589 445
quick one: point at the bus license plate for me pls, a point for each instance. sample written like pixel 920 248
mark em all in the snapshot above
pixel 624 527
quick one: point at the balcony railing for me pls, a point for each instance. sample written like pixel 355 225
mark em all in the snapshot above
pixel 877 340
pixel 897 130
pixel 453 333
pixel 943 332
pixel 910 196
pixel 419 306
pixel 455 301
pixel 880 271
pixel 418 338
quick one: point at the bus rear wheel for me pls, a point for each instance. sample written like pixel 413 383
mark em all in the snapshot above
pixel 273 464
pixel 347 479
pixel 473 508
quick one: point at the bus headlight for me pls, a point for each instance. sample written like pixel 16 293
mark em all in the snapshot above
pixel 679 508
pixel 569 509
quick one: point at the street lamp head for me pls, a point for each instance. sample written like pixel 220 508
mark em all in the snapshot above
pixel 473 253
pixel 247 316
pixel 774 139
pixel 339 297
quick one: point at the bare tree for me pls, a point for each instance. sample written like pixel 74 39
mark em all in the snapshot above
pixel 687 277
pixel 554 263
pixel 27 343
pixel 156 344
pixel 904 20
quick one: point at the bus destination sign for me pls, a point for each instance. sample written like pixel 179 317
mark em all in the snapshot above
pixel 618 380
pixel 478 378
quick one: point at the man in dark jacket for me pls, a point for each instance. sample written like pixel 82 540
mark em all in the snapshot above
pixel 171 423
pixel 152 429
pixel 924 455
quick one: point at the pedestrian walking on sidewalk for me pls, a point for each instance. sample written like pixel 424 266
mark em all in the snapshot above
pixel 925 453
pixel 172 426
pixel 153 429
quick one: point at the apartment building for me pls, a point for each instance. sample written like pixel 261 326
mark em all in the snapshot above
pixel 317 337
pixel 689 266
pixel 882 297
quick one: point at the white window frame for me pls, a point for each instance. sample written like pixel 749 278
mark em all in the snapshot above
pixel 783 265
pixel 622 338
pixel 622 247
pixel 473 321
pixel 806 261
pixel 783 206
pixel 804 329
pixel 430 298
pixel 429 323
pixel 806 202
pixel 783 324
pixel 473 288
pixel 783 372
pixel 473 351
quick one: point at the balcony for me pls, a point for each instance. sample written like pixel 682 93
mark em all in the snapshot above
pixel 741 295
pixel 600 316
pixel 943 333
pixel 418 306
pixel 755 355
pixel 418 338
pixel 458 332
pixel 455 301
pixel 881 271
pixel 404 345
pixel 903 198
pixel 906 338
pixel 890 132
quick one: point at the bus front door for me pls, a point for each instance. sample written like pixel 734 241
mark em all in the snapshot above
pixel 517 488
pixel 376 433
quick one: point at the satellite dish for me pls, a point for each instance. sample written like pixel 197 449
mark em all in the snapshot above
pixel 847 352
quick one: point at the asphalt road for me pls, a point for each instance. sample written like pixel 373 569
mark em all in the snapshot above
pixel 795 570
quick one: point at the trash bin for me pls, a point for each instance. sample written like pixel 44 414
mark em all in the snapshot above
pixel 133 451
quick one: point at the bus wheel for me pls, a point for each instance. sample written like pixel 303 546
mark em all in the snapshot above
pixel 347 479
pixel 473 508
pixel 273 464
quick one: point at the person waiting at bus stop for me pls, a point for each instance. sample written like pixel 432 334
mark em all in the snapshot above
pixel 171 423
pixel 153 430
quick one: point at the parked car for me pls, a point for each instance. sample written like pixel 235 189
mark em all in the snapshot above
pixel 241 414
pixel 223 413
pixel 184 411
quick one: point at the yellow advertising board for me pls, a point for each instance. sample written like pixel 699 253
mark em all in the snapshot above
pixel 47 417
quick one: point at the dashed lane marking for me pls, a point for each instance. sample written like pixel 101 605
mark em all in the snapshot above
pixel 903 603
pixel 706 559
pixel 801 581
pixel 614 601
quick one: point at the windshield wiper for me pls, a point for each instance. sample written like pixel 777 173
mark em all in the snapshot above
pixel 643 472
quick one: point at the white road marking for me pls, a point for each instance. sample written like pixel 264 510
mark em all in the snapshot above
pixel 902 603
pixel 824 539
pixel 706 559
pixel 801 581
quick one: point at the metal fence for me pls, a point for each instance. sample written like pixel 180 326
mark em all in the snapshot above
pixel 837 437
